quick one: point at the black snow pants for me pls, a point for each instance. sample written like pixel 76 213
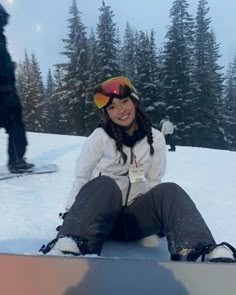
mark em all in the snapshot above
pixel 97 215
pixel 170 140
pixel 12 121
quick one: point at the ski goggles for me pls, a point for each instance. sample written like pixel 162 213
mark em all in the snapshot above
pixel 119 87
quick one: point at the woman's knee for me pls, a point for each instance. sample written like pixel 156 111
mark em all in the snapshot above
pixel 167 186
pixel 107 181
pixel 111 187
pixel 103 189
pixel 104 183
pixel 170 190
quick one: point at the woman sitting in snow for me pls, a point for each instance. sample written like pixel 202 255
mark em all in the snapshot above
pixel 117 193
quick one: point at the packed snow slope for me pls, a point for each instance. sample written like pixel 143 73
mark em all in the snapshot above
pixel 30 205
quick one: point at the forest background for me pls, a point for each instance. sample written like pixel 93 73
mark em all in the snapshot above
pixel 183 78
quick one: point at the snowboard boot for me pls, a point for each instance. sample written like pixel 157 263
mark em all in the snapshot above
pixel 20 166
pixel 66 245
pixel 222 252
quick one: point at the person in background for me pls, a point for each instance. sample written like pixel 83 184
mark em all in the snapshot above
pixel 10 106
pixel 118 192
pixel 168 131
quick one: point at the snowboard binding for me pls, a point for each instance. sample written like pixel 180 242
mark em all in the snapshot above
pixel 223 252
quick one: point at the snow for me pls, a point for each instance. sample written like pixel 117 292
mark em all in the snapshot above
pixel 30 205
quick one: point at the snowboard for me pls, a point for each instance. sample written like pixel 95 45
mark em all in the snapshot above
pixel 38 169
pixel 58 275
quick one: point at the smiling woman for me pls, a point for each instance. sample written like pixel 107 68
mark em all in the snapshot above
pixel 118 191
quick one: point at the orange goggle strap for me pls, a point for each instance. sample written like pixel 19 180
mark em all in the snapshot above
pixel 119 87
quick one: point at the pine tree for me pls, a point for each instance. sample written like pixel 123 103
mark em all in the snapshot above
pixel 20 79
pixel 91 114
pixel 31 90
pixel 58 101
pixel 22 83
pixel 178 82
pixel 37 91
pixel 107 43
pixel 58 75
pixel 76 72
pixel 52 107
pixel 154 87
pixel 147 75
pixel 160 104
pixel 128 53
pixel 210 83
pixel 119 50
pixel 50 84
pixel 142 67
pixel 230 106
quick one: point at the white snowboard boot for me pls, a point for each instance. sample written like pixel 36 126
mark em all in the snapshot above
pixel 223 252
pixel 67 245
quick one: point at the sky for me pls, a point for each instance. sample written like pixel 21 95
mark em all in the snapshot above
pixel 30 205
pixel 40 26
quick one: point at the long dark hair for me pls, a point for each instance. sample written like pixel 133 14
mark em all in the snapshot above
pixel 116 130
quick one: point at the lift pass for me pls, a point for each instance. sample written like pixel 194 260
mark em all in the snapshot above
pixel 136 174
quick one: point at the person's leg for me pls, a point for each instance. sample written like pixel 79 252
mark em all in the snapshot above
pixel 172 142
pixel 17 141
pixel 167 139
pixel 2 116
pixel 17 144
pixel 167 209
pixel 93 213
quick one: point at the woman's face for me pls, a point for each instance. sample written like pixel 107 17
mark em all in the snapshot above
pixel 122 111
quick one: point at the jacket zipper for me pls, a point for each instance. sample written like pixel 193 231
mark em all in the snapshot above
pixel 128 191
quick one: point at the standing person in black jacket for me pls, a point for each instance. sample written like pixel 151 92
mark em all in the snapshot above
pixel 10 106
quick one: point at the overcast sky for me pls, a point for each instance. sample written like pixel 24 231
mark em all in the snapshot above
pixel 39 26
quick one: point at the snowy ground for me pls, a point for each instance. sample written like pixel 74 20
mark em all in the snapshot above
pixel 30 205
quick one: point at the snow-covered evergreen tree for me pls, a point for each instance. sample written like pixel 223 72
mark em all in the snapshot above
pixel 119 49
pixel 50 84
pixel 154 87
pixel 142 67
pixel 210 82
pixel 107 44
pixel 23 86
pixel 91 114
pixel 37 91
pixel 76 72
pixel 57 103
pixel 20 80
pixel 178 82
pixel 52 107
pixel 128 53
pixel 230 106
pixel 31 90
pixel 146 78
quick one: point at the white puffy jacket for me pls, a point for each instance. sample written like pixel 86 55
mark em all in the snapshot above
pixel 167 127
pixel 99 156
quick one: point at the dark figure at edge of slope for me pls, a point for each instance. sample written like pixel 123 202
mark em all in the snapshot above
pixel 10 106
